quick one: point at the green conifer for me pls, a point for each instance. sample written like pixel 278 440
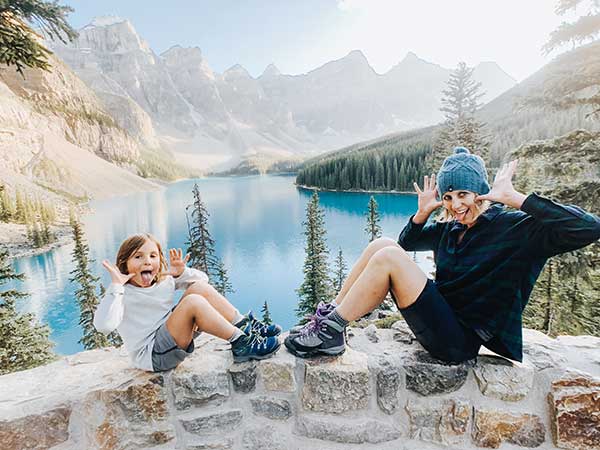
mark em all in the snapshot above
pixel 86 294
pixel 24 343
pixel 339 272
pixel 316 286
pixel 266 315
pixel 222 283
pixel 19 45
pixel 201 245
pixel 373 228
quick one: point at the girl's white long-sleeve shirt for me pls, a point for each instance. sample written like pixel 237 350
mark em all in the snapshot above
pixel 137 312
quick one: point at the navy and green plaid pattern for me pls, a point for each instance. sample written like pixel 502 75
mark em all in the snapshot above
pixel 487 278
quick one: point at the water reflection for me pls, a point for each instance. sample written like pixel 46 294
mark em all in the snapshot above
pixel 255 221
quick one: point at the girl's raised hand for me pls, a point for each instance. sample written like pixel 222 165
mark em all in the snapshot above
pixel 427 201
pixel 115 274
pixel 503 190
pixel 177 262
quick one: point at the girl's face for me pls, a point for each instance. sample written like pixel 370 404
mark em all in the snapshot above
pixel 145 264
pixel 461 204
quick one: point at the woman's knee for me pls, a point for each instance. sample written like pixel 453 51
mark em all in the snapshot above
pixel 380 243
pixel 390 256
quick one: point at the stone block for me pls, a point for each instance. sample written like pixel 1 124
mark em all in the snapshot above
pixel 211 443
pixel 492 428
pixel 503 379
pixel 575 411
pixel 347 432
pixel 213 423
pixel 429 376
pixel 243 376
pixel 371 333
pixel 402 332
pixel 36 431
pixel 272 408
pixel 264 438
pixel 444 422
pixel 132 414
pixel 200 381
pixel 278 373
pixel 388 384
pixel 336 384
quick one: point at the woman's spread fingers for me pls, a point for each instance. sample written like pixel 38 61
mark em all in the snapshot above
pixel 416 186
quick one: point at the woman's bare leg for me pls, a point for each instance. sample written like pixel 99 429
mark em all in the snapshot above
pixel 217 301
pixel 389 268
pixel 360 265
pixel 195 311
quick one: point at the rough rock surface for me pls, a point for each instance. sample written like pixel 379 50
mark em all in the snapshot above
pixel 361 400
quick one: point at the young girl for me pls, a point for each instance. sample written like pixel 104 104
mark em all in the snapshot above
pixel 158 335
pixel 487 261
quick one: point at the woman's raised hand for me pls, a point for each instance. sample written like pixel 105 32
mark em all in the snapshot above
pixel 428 197
pixel 503 190
pixel 177 262
pixel 115 274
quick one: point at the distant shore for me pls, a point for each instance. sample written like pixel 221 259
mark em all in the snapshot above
pixel 352 191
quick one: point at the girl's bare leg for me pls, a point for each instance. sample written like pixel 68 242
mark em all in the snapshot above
pixel 217 301
pixel 360 265
pixel 389 268
pixel 195 311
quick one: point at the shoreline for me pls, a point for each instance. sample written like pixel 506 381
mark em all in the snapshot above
pixel 352 191
pixel 20 248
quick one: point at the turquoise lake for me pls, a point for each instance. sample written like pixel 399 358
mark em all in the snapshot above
pixel 255 221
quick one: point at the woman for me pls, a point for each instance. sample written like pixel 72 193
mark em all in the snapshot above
pixel 487 261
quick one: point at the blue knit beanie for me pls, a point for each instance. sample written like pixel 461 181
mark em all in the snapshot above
pixel 463 171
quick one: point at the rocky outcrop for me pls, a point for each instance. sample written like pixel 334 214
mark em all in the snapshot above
pixel 362 399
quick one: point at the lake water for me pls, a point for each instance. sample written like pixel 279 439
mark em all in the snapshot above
pixel 255 221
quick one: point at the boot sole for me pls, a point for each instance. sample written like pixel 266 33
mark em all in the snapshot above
pixel 335 351
pixel 256 357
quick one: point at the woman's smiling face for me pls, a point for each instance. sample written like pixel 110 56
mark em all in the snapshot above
pixel 145 264
pixel 461 204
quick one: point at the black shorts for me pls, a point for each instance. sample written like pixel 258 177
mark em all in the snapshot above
pixel 437 328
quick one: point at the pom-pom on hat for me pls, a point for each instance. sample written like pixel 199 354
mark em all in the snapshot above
pixel 463 171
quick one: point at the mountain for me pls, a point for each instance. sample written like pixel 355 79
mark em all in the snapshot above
pixel 215 120
pixel 56 139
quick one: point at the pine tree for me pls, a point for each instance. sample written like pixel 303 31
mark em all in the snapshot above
pixel 460 101
pixel 340 271
pixel 23 342
pixel 19 45
pixel 222 283
pixel 86 293
pixel 7 209
pixel 266 315
pixel 373 229
pixel 201 245
pixel 316 286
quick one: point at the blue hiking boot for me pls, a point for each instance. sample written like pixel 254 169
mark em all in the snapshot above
pixel 258 327
pixel 322 337
pixel 323 309
pixel 253 346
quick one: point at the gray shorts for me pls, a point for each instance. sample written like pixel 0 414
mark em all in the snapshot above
pixel 166 354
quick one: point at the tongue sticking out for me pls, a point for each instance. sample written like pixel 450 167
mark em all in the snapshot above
pixel 146 277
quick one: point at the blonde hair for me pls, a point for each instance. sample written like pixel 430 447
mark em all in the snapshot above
pixel 480 207
pixel 131 245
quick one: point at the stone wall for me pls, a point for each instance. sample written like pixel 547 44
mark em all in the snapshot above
pixel 385 392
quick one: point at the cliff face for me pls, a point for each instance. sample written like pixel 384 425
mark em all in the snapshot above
pixel 55 137
pixel 385 392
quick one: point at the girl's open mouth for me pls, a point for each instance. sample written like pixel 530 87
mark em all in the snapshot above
pixel 146 276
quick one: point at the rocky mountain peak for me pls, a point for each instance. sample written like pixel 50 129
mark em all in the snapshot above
pixel 236 71
pixel 111 34
pixel 271 71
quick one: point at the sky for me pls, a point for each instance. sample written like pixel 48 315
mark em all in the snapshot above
pixel 301 35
